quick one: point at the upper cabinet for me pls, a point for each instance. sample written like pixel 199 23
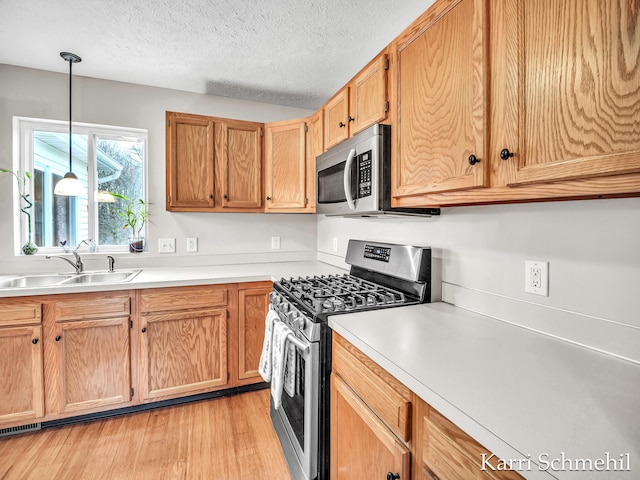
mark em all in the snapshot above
pixel 567 90
pixel 286 167
pixel 213 164
pixel 361 103
pixel 441 101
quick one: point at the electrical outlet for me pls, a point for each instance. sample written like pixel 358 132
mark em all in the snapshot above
pixel 166 245
pixel 536 277
pixel 275 243
pixel 335 244
pixel 192 244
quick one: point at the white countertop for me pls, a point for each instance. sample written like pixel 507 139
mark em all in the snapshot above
pixel 184 276
pixel 519 393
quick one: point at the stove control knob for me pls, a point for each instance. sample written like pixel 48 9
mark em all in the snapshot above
pixel 285 307
pixel 298 323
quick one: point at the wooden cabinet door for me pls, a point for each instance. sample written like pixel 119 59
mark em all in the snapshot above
pixel 240 154
pixel 93 363
pixel 315 147
pixel 21 374
pixel 336 114
pixel 190 161
pixel 285 166
pixel 368 96
pixel 253 304
pixel 441 63
pixel 568 90
pixel 361 445
pixel 183 353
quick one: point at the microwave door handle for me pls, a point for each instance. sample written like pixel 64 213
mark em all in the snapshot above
pixel 347 179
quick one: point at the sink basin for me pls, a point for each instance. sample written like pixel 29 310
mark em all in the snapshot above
pixel 26 281
pixel 102 277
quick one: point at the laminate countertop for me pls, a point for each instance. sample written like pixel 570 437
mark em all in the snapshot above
pixel 521 394
pixel 185 276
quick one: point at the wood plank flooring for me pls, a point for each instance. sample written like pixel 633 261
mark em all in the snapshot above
pixel 222 438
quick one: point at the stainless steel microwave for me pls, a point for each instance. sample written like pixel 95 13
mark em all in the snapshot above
pixel 353 178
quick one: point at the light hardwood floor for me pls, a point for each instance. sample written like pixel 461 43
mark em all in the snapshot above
pixel 223 438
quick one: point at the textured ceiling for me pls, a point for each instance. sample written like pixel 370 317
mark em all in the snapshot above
pixel 284 52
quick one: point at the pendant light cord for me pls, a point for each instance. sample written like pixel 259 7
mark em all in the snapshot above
pixel 70 90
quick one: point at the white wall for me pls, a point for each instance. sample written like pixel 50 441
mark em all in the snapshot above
pixel 592 246
pixel 223 238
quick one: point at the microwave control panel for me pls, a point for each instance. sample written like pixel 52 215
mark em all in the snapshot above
pixel 364 174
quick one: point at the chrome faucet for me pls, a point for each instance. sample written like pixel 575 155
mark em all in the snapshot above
pixel 78 265
pixel 112 263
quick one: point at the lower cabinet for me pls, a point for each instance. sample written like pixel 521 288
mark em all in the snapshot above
pixel 89 347
pixel 381 430
pixel 21 363
pixel 253 304
pixel 183 341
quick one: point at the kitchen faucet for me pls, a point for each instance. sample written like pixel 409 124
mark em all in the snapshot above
pixel 78 265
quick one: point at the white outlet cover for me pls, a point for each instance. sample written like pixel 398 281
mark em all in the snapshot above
pixel 335 244
pixel 275 243
pixel 536 277
pixel 192 244
pixel 166 245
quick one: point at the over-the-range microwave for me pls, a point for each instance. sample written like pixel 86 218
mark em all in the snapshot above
pixel 353 178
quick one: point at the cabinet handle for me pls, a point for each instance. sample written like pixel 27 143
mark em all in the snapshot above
pixel 34 341
pixel 58 337
pixel 268 197
pixel 350 118
pixel 144 329
pixel 393 476
pixel 473 159
pixel 505 154
pixel 342 125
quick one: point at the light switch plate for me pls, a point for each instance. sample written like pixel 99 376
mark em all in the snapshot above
pixel 166 245
pixel 192 244
pixel 275 243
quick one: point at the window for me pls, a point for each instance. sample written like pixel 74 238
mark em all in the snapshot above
pixel 106 159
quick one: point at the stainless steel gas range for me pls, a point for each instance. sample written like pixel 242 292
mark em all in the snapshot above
pixel 382 275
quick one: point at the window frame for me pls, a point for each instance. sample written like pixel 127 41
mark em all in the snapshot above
pixel 24 128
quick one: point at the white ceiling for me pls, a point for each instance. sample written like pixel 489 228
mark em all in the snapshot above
pixel 284 52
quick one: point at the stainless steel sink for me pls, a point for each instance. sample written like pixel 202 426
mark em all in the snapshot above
pixel 87 278
pixel 102 277
pixel 27 281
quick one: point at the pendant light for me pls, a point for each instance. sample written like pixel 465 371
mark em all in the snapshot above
pixel 70 186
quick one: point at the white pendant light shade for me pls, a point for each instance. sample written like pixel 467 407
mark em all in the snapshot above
pixel 69 186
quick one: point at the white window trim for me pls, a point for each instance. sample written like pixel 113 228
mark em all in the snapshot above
pixel 23 128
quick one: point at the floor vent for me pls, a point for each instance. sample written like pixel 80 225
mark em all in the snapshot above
pixel 32 427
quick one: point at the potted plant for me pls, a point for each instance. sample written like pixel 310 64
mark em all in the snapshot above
pixel 135 214
pixel 29 248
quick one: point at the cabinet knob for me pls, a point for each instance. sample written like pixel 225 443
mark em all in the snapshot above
pixel 144 329
pixel 505 154
pixel 226 196
pixel 34 341
pixel 342 125
pixel 211 196
pixel 58 337
pixel 393 476
pixel 268 197
pixel 350 118
pixel 473 159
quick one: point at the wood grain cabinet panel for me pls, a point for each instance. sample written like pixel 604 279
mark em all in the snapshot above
pixel 183 353
pixel 361 445
pixel 21 374
pixel 190 161
pixel 336 114
pixel 240 161
pixel 183 298
pixel 286 166
pixel 573 85
pixel 315 146
pixel 14 313
pixel 253 304
pixel 441 63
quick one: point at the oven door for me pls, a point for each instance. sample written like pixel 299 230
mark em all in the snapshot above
pixel 296 421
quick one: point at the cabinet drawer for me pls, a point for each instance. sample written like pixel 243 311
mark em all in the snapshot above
pixel 183 298
pixel 19 313
pixel 450 453
pixel 386 396
pixel 91 306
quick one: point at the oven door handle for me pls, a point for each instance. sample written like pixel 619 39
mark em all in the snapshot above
pixel 347 179
pixel 298 343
